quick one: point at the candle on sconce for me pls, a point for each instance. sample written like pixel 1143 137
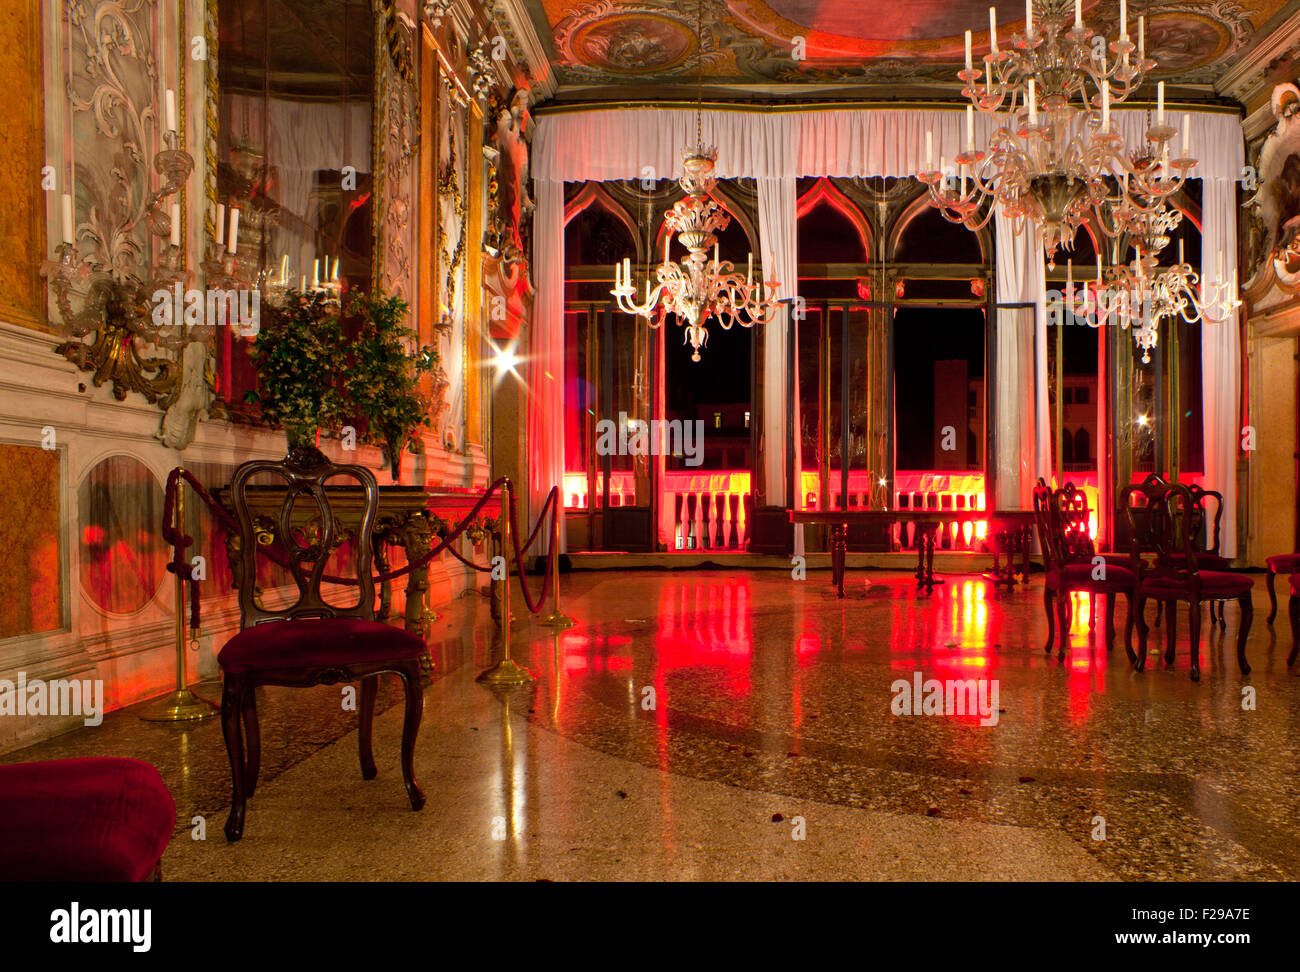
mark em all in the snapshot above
pixel 715 254
pixel 969 62
pixel 232 237
pixel 171 110
pixel 627 269
pixel 1187 133
pixel 1078 14
pixel 67 218
pixel 176 224
pixel 335 275
pixel 1160 103
pixel 993 29
pixel 1142 37
pixel 667 240
pixel 1123 19
pixel 221 224
pixel 749 274
pixel 315 272
pixel 1180 251
pixel 1029 17
pixel 929 150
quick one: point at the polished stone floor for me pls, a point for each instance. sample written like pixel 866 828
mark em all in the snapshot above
pixel 716 725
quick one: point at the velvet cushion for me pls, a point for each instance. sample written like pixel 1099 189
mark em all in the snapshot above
pixel 1213 583
pixel 1283 563
pixel 309 642
pixel 83 820
pixel 1080 575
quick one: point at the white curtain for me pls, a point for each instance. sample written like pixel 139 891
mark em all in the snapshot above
pixel 617 143
pixel 544 368
pixel 1022 435
pixel 1221 355
pixel 777 218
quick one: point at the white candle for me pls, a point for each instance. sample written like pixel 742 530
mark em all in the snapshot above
pixel 335 275
pixel 1105 105
pixel 943 172
pixel 627 269
pixel 993 29
pixel 715 254
pixel 1142 37
pixel 302 283
pixel 171 110
pixel 315 272
pixel 67 217
pixel 1123 19
pixel 1180 251
pixel 1187 131
pixel 1160 103
pixel 970 128
pixel 1078 14
pixel 284 268
pixel 232 237
pixel 667 240
pixel 221 223
pixel 929 150
pixel 1033 104
pixel 969 63
pixel 176 224
pixel 1029 17
pixel 749 275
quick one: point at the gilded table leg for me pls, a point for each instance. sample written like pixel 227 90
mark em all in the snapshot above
pixel 416 536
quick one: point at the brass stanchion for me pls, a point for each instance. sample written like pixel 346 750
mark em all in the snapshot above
pixel 505 672
pixel 181 705
pixel 557 618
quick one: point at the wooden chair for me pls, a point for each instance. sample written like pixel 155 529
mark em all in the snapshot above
pixel 1293 610
pixel 1172 524
pixel 1072 564
pixel 309 642
pixel 1278 564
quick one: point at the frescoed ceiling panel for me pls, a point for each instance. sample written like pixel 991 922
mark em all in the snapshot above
pixel 603 42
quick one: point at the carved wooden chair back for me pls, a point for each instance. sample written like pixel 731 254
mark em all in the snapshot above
pixel 306 537
pixel 1048 523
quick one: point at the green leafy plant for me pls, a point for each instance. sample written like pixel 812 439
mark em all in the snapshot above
pixel 298 354
pixel 382 384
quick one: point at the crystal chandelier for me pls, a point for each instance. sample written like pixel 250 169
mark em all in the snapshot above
pixel 698 288
pixel 1142 294
pixel 1054 158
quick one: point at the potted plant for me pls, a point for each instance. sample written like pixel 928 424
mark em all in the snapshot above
pixel 382 385
pixel 298 359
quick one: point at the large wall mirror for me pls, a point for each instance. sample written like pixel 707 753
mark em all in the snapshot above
pixel 295 148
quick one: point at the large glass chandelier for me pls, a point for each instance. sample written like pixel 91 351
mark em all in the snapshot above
pixel 1054 158
pixel 697 288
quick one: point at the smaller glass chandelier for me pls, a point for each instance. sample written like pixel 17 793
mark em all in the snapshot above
pixel 698 288
pixel 1142 294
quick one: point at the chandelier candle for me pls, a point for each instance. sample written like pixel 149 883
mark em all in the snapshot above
pixel 67 217
pixel 221 224
pixel 176 224
pixel 993 30
pixel 232 238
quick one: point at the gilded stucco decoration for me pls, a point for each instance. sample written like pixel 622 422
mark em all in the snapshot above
pixel 508 237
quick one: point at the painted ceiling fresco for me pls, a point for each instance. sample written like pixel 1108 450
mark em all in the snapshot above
pixel 752 41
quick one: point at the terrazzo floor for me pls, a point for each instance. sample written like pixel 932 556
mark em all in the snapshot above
pixel 718 725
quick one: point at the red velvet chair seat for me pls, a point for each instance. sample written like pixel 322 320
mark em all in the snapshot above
pixel 1081 575
pixel 83 820
pixel 1283 563
pixel 309 642
pixel 1213 584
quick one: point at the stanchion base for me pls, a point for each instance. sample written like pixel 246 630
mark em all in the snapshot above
pixel 506 672
pixel 179 706
pixel 557 620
